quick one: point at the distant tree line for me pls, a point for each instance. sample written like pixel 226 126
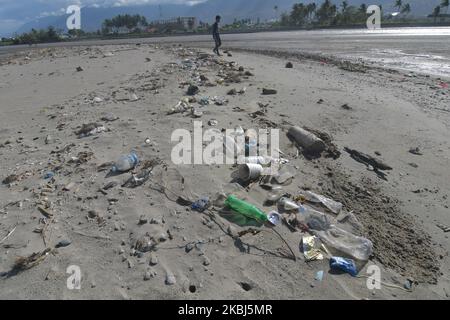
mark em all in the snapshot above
pixel 38 36
pixel 329 14
pixel 437 11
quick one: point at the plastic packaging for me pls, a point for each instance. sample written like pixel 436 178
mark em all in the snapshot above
pixel 201 204
pixel 126 163
pixel 246 209
pixel 346 265
pixel 345 243
pixel 309 249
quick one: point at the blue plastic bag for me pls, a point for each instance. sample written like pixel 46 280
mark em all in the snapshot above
pixel 343 264
pixel 201 204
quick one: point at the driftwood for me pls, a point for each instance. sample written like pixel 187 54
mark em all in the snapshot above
pixel 377 165
pixel 368 160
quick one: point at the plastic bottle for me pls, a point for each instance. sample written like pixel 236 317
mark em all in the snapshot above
pixel 288 205
pixel 245 209
pixel 126 163
pixel 314 219
pixel 334 206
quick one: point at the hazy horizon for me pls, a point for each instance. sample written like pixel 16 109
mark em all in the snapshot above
pixel 14 14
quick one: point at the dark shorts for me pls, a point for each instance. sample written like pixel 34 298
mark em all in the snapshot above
pixel 217 40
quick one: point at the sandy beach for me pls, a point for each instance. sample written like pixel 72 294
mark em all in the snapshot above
pixel 56 188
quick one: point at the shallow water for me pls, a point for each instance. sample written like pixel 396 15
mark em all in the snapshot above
pixel 423 50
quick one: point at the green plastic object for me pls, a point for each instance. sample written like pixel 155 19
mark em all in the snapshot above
pixel 246 209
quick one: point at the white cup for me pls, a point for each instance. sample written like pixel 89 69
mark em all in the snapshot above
pixel 250 171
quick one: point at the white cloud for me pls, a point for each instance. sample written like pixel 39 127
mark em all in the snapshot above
pixel 14 13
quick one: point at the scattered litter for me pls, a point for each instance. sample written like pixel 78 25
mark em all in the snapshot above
pixel 90 129
pixel 204 101
pixel 213 122
pixel 266 91
pixel 182 106
pixel 137 180
pixel 126 163
pixel 48 175
pixel 416 151
pixel 319 275
pixel 274 218
pixel 219 101
pixel 109 117
pixel 192 90
pixel 63 243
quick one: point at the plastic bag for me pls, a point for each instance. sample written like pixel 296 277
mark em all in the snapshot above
pixel 345 243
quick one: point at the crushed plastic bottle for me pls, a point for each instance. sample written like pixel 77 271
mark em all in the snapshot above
pixel 126 163
pixel 314 219
pixel 332 205
pixel 246 209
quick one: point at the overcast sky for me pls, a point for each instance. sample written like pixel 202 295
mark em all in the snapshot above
pixel 14 13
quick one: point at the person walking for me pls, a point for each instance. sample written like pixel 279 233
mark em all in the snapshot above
pixel 216 35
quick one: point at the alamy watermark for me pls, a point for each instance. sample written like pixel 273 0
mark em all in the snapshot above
pixel 74 280
pixel 374 21
pixel 73 22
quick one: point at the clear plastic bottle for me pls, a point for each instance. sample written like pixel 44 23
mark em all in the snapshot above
pixel 126 163
pixel 288 205
pixel 314 219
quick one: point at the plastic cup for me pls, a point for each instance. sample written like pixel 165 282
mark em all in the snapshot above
pixel 250 171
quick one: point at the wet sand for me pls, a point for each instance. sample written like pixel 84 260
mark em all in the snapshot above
pixel 45 100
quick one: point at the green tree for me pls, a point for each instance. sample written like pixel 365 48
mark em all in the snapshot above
pixel 326 13
pixel 436 12
pixel 445 4
pixel 406 9
pixel 398 4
